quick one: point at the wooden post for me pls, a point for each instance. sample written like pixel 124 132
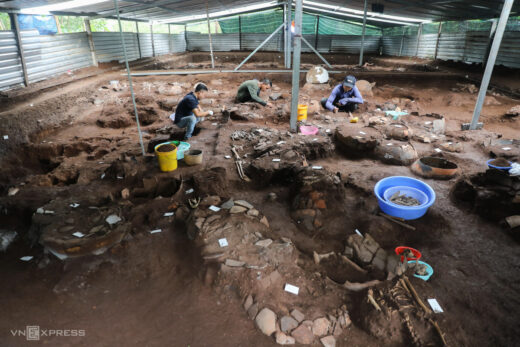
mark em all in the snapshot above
pixel 58 26
pixel 91 42
pixel 437 44
pixel 138 39
pixel 402 43
pixel 153 44
pixel 16 26
pixel 240 31
pixel 169 39
pixel 419 33
pixel 210 40
pixel 317 33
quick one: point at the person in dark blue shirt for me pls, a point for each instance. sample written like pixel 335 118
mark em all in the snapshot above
pixel 345 97
pixel 189 112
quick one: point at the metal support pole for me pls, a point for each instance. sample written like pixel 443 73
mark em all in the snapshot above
pixel 316 52
pixel 116 6
pixel 317 33
pixel 296 63
pixel 138 39
pixel 288 35
pixel 438 39
pixel 285 34
pixel 240 31
pixel 491 62
pixel 91 42
pixel 260 46
pixel 490 42
pixel 153 44
pixel 186 36
pixel 402 43
pixel 210 40
pixel 419 33
pixel 363 34
pixel 16 26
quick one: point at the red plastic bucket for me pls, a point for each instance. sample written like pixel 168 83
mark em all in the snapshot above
pixel 401 249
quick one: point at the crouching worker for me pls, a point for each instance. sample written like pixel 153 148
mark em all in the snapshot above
pixel 250 91
pixel 345 97
pixel 189 112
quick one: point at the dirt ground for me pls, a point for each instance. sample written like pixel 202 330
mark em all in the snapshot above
pixel 77 143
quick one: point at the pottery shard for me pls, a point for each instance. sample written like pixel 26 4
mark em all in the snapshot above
pixel 288 323
pixel 248 303
pixel 237 209
pixel 266 321
pixel 303 334
pixel 328 341
pixel 283 339
pixel 244 204
pixel 320 326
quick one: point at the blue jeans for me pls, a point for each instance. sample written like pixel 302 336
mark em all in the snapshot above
pixel 189 123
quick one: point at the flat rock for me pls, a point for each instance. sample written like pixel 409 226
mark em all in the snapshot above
pixel 252 311
pixel 228 204
pixel 275 96
pixel 283 339
pixel 264 243
pixel 288 323
pixel 253 212
pixel 303 334
pixel 234 263
pixel 328 341
pixel 237 209
pixel 266 321
pixel 297 315
pixel 244 204
pixel 320 326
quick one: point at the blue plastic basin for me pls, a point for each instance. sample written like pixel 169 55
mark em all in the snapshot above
pixel 405 212
pixel 505 168
pixel 429 270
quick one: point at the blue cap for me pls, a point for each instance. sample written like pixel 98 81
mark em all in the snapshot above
pixel 350 81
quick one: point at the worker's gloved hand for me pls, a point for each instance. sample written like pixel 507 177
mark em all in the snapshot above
pixel 210 113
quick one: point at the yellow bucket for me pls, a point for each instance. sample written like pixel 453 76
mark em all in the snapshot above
pixel 302 112
pixel 167 160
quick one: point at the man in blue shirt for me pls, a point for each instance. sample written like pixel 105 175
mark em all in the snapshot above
pixel 345 97
pixel 189 112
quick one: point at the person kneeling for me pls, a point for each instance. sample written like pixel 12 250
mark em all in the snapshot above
pixel 189 112
pixel 250 91
pixel 345 97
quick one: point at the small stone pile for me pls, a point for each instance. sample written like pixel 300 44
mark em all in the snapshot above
pixel 295 328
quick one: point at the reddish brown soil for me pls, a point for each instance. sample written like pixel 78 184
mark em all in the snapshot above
pixel 151 289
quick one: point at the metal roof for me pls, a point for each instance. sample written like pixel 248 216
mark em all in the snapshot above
pixel 169 10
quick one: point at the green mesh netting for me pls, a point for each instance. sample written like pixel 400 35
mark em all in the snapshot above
pixel 266 22
pixel 330 26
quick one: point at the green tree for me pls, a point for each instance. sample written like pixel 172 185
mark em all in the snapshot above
pixel 5 21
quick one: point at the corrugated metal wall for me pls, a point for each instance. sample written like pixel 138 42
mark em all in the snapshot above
pixel 145 42
pixel 11 74
pixel 50 55
pixel 178 43
pixel 161 43
pixel 108 46
pixel 249 42
pixel 470 46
